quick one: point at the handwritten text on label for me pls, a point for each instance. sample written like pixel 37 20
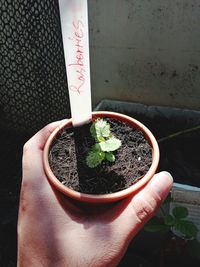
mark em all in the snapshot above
pixel 78 64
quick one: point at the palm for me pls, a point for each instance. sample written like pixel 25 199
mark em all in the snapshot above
pixel 60 232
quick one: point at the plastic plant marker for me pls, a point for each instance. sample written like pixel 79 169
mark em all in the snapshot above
pixel 74 25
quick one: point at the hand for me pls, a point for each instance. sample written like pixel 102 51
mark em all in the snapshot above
pixel 56 231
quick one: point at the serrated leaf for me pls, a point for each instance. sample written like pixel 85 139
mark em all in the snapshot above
pixel 94 158
pixel 102 128
pixel 110 156
pixel 180 212
pixel 156 225
pixel 111 144
pixel 96 147
pixel 169 220
pixel 187 228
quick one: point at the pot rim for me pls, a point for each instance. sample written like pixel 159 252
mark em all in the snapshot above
pixel 111 197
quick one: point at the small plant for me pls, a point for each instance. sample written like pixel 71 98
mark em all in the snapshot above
pixel 178 224
pixel 105 145
pixel 176 221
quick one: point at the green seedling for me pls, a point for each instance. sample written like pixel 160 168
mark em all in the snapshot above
pixel 105 145
pixel 177 221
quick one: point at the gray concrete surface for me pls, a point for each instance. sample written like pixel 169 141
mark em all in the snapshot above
pixel 146 51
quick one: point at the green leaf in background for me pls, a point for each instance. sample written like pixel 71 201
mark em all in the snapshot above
pixel 169 220
pixel 156 225
pixel 110 156
pixel 187 228
pixel 180 212
pixel 111 144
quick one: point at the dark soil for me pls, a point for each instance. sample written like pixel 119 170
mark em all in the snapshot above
pixel 68 159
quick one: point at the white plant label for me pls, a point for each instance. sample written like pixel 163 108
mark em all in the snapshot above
pixel 74 25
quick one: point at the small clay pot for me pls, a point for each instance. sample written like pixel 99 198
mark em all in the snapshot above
pixel 112 197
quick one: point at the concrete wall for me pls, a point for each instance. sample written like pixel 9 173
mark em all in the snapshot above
pixel 146 51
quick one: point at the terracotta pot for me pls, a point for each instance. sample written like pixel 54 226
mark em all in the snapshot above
pixel 91 198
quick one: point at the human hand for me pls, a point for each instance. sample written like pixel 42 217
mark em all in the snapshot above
pixel 56 231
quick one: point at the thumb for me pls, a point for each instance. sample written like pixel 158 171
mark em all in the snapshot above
pixel 146 203
pixel 142 206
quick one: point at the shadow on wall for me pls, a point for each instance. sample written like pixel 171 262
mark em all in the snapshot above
pixel 146 51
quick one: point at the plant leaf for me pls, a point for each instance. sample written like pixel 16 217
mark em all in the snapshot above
pixel 110 156
pixel 96 147
pixel 180 212
pixel 94 158
pixel 169 220
pixel 187 228
pixel 102 128
pixel 111 144
pixel 155 224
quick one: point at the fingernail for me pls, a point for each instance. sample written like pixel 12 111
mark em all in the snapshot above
pixel 162 183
